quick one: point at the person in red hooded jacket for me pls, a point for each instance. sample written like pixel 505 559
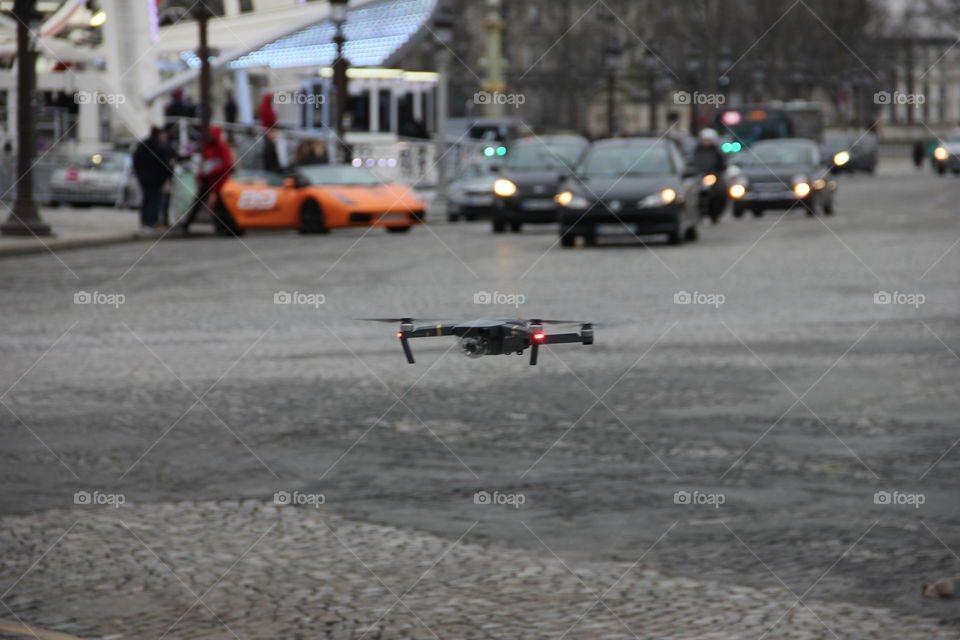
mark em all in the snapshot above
pixel 216 166
pixel 268 117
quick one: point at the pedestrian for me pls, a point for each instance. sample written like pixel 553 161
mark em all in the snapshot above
pixel 216 166
pixel 268 117
pixel 271 159
pixel 171 157
pixel 152 171
pixel 230 108
pixel 177 108
pixel 311 152
pixel 919 151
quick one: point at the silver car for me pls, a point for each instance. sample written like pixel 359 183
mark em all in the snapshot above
pixel 471 192
pixel 104 178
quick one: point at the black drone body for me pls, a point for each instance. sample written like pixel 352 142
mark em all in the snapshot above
pixel 492 336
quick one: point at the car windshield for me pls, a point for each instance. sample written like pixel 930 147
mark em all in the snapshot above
pixel 839 141
pixel 544 155
pixel 641 160
pixel 98 162
pixel 777 154
pixel 339 175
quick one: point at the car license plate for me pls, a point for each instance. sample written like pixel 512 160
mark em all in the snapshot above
pixel 537 205
pixel 614 229
pixel 392 217
pixel 477 201
pixel 775 195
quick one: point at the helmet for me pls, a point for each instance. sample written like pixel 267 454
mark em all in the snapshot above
pixel 709 136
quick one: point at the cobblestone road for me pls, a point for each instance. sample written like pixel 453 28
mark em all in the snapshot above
pixel 255 570
pixel 799 432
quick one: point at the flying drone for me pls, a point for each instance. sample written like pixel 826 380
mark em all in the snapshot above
pixel 491 336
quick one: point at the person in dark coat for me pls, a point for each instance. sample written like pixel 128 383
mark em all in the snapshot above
pixel 152 168
pixel 271 159
pixel 230 108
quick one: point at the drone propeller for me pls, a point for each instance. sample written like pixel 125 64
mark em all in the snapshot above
pixel 541 321
pixel 396 320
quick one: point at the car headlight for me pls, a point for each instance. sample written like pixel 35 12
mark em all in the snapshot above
pixel 738 190
pixel 841 158
pixel 819 183
pixel 709 180
pixel 504 188
pixel 940 153
pixel 659 199
pixel 801 189
pixel 568 199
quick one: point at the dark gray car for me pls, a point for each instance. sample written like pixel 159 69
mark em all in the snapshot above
pixel 632 186
pixel 525 187
pixel 781 174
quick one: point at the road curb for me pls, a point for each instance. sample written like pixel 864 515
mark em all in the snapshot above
pixel 60 244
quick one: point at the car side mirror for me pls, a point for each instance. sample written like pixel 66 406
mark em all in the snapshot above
pixel 290 183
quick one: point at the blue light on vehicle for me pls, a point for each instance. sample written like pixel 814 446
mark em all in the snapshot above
pixel 489 152
pixel 501 151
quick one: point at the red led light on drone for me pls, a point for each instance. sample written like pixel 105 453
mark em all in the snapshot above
pixel 539 336
pixel 399 334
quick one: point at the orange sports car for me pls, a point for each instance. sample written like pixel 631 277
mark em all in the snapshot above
pixel 317 198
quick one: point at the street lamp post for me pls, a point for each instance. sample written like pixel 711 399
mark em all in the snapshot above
pixel 612 57
pixel 338 9
pixel 693 71
pixel 24 219
pixel 651 62
pixel 443 31
pixel 203 12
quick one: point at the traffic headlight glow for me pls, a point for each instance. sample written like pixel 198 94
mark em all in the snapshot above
pixel 501 151
pixel 489 152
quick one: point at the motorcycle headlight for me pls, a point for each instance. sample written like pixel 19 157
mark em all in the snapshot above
pixel 709 180
pixel 504 188
pixel 841 158
pixel 659 199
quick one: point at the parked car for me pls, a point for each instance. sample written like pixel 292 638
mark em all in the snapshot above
pixel 635 186
pixel 104 178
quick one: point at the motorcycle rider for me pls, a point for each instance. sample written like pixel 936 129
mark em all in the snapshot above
pixel 709 160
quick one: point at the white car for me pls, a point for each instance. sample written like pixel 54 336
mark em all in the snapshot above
pixel 104 178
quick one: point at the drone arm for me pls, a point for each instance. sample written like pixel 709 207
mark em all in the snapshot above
pixel 561 338
pixel 429 332
pixel 407 351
